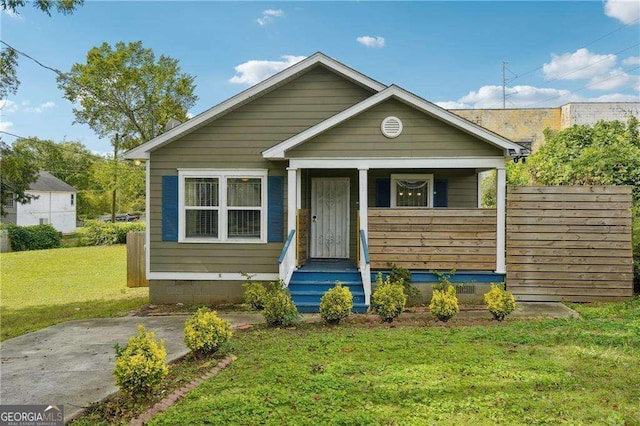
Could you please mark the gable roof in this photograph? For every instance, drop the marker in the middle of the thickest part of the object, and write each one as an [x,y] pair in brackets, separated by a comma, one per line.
[278,151]
[142,151]
[48,182]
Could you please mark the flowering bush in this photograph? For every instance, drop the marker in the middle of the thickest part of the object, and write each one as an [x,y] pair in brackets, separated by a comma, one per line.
[389,299]
[140,365]
[499,302]
[336,304]
[444,303]
[204,331]
[279,309]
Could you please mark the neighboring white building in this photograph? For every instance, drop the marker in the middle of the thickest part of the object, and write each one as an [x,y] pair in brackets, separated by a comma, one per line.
[54,203]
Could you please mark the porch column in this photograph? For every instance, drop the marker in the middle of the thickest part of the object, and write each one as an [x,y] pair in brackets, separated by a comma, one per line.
[292,205]
[501,195]
[363,201]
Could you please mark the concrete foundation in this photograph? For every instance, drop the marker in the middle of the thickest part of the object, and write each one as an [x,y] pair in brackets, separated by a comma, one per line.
[205,292]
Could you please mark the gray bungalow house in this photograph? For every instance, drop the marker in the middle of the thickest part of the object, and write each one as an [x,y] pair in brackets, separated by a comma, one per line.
[319,174]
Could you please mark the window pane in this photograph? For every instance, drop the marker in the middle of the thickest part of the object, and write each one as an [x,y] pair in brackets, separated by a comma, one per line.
[202,223]
[244,192]
[244,224]
[201,192]
[411,193]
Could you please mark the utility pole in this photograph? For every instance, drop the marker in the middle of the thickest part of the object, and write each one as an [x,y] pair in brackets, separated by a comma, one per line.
[504,85]
[115,179]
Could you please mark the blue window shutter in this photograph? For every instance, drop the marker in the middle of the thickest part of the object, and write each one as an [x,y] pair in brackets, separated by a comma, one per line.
[169,208]
[440,193]
[383,192]
[275,209]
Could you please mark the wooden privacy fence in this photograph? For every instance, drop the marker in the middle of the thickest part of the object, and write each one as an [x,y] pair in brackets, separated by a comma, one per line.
[569,243]
[426,239]
[136,268]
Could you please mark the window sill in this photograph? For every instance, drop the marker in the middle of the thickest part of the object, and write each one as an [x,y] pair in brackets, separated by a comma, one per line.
[212,241]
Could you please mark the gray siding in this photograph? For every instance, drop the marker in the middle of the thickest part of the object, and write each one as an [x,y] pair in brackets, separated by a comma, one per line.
[237,141]
[423,136]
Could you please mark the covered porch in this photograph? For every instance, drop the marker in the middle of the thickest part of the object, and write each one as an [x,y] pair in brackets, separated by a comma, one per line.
[337,209]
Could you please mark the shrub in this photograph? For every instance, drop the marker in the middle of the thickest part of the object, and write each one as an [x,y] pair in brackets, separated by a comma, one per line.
[389,299]
[36,237]
[255,294]
[499,302]
[98,233]
[204,331]
[402,275]
[279,309]
[336,304]
[444,303]
[140,365]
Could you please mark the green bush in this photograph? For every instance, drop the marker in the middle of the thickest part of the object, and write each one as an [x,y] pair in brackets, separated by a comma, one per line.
[98,233]
[444,303]
[336,304]
[140,365]
[279,309]
[389,299]
[255,294]
[402,275]
[499,302]
[204,331]
[36,237]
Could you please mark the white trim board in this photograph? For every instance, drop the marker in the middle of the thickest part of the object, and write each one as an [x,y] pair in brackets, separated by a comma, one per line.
[399,163]
[142,152]
[211,276]
[279,151]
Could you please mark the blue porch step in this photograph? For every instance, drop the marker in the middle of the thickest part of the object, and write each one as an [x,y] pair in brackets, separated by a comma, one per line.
[307,286]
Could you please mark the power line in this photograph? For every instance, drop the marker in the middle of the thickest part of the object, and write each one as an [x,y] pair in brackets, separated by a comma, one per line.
[57,71]
[582,47]
[12,134]
[581,88]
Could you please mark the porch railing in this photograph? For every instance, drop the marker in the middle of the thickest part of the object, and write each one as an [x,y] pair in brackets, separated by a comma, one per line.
[365,267]
[287,260]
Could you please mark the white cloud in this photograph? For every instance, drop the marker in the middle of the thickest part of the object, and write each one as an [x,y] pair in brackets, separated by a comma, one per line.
[254,71]
[578,65]
[626,11]
[7,106]
[614,79]
[269,15]
[631,60]
[517,97]
[5,125]
[371,41]
[40,108]
[616,97]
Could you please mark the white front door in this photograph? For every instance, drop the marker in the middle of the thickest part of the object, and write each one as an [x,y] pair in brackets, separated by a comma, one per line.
[330,218]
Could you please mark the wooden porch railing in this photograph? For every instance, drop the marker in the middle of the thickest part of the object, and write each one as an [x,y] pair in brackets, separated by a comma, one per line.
[440,239]
[287,260]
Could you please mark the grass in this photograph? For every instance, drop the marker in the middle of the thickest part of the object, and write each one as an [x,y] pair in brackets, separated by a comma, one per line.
[45,287]
[573,371]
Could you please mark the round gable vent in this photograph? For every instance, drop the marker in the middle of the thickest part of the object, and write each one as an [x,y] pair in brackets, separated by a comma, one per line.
[391,127]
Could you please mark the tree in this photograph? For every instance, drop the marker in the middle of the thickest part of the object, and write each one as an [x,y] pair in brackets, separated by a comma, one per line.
[126,91]
[9,82]
[18,170]
[517,174]
[606,154]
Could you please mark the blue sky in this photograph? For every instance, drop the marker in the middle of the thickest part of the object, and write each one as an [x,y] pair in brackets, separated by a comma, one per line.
[450,53]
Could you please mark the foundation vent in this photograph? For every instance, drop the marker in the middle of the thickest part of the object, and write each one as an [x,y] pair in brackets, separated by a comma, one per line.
[466,289]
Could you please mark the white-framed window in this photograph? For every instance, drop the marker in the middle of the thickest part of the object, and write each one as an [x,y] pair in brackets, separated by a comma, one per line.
[10,200]
[222,205]
[412,190]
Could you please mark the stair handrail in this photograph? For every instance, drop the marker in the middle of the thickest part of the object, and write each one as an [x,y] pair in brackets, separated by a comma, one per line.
[287,260]
[365,267]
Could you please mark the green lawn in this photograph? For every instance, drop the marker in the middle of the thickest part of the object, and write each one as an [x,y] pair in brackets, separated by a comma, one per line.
[576,371]
[45,287]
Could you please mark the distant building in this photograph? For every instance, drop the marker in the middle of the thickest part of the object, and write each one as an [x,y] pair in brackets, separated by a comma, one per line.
[54,203]
[526,125]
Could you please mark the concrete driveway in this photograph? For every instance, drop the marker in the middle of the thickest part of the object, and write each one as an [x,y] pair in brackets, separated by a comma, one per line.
[72,363]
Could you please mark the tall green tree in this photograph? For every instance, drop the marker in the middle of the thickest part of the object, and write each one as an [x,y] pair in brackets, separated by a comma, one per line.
[126,90]
[18,169]
[9,82]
